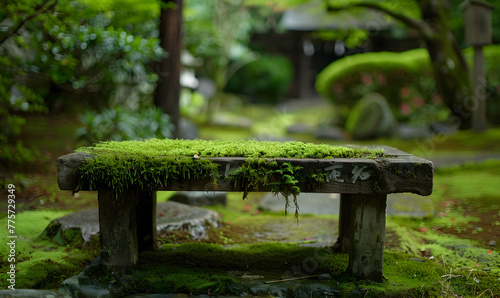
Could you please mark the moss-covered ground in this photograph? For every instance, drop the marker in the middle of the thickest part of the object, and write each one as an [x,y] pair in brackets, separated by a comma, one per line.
[449,254]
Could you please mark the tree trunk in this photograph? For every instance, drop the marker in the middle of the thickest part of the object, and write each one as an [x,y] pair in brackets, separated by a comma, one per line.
[451,71]
[168,88]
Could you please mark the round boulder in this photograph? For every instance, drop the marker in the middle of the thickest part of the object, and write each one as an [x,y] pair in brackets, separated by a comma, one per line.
[371,118]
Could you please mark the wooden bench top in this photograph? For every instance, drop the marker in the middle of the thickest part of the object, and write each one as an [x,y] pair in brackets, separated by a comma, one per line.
[396,173]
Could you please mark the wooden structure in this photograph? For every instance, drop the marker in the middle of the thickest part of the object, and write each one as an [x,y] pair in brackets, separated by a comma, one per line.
[127,220]
[478,31]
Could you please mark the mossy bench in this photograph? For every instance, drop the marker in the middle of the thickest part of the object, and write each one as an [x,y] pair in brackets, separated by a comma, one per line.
[128,174]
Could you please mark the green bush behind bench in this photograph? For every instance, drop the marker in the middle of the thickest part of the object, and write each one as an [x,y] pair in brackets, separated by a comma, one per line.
[405,79]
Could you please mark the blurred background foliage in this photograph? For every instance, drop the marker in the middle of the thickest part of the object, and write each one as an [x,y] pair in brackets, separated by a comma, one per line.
[270,77]
[405,80]
[89,57]
[72,55]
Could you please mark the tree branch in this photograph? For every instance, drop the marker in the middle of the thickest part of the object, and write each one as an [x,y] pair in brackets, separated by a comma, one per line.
[422,27]
[42,8]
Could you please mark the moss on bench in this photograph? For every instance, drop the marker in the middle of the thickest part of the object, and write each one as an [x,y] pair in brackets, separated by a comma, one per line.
[202,148]
[155,163]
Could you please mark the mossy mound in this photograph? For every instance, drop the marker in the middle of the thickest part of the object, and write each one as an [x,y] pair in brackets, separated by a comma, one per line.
[263,269]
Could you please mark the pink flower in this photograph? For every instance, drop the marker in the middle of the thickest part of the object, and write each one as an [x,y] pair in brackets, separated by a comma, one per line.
[436,98]
[405,108]
[338,88]
[366,79]
[381,79]
[418,101]
[405,91]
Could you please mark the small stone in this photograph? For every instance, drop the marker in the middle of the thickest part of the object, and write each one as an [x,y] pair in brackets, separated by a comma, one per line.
[486,269]
[325,276]
[416,259]
[200,198]
[300,128]
[492,243]
[330,133]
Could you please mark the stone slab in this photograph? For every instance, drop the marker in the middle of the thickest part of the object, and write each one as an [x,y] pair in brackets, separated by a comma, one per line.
[200,198]
[404,205]
[170,216]
[309,203]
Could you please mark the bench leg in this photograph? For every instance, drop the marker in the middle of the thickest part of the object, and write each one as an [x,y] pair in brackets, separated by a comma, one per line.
[146,220]
[344,237]
[118,229]
[366,253]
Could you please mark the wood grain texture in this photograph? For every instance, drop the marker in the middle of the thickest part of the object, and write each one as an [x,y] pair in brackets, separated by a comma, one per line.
[400,172]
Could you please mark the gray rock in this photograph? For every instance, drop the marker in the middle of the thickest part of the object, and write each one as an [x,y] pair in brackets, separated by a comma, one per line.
[200,198]
[300,128]
[443,128]
[77,287]
[270,138]
[325,276]
[173,216]
[233,121]
[371,118]
[206,87]
[492,243]
[81,229]
[403,204]
[406,131]
[25,293]
[330,133]
[84,286]
[188,129]
[309,203]
[66,169]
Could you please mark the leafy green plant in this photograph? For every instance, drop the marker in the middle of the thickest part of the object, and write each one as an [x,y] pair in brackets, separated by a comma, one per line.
[119,124]
[51,48]
[264,80]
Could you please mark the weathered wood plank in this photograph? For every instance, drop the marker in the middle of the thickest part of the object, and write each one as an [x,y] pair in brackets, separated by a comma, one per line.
[345,213]
[401,172]
[118,229]
[146,220]
[366,253]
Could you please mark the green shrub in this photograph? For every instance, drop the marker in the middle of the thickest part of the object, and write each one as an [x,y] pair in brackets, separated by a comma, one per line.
[264,80]
[404,79]
[119,124]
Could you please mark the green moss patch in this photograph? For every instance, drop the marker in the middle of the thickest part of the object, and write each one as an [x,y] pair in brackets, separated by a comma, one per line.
[156,163]
[155,148]
[201,268]
[40,263]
